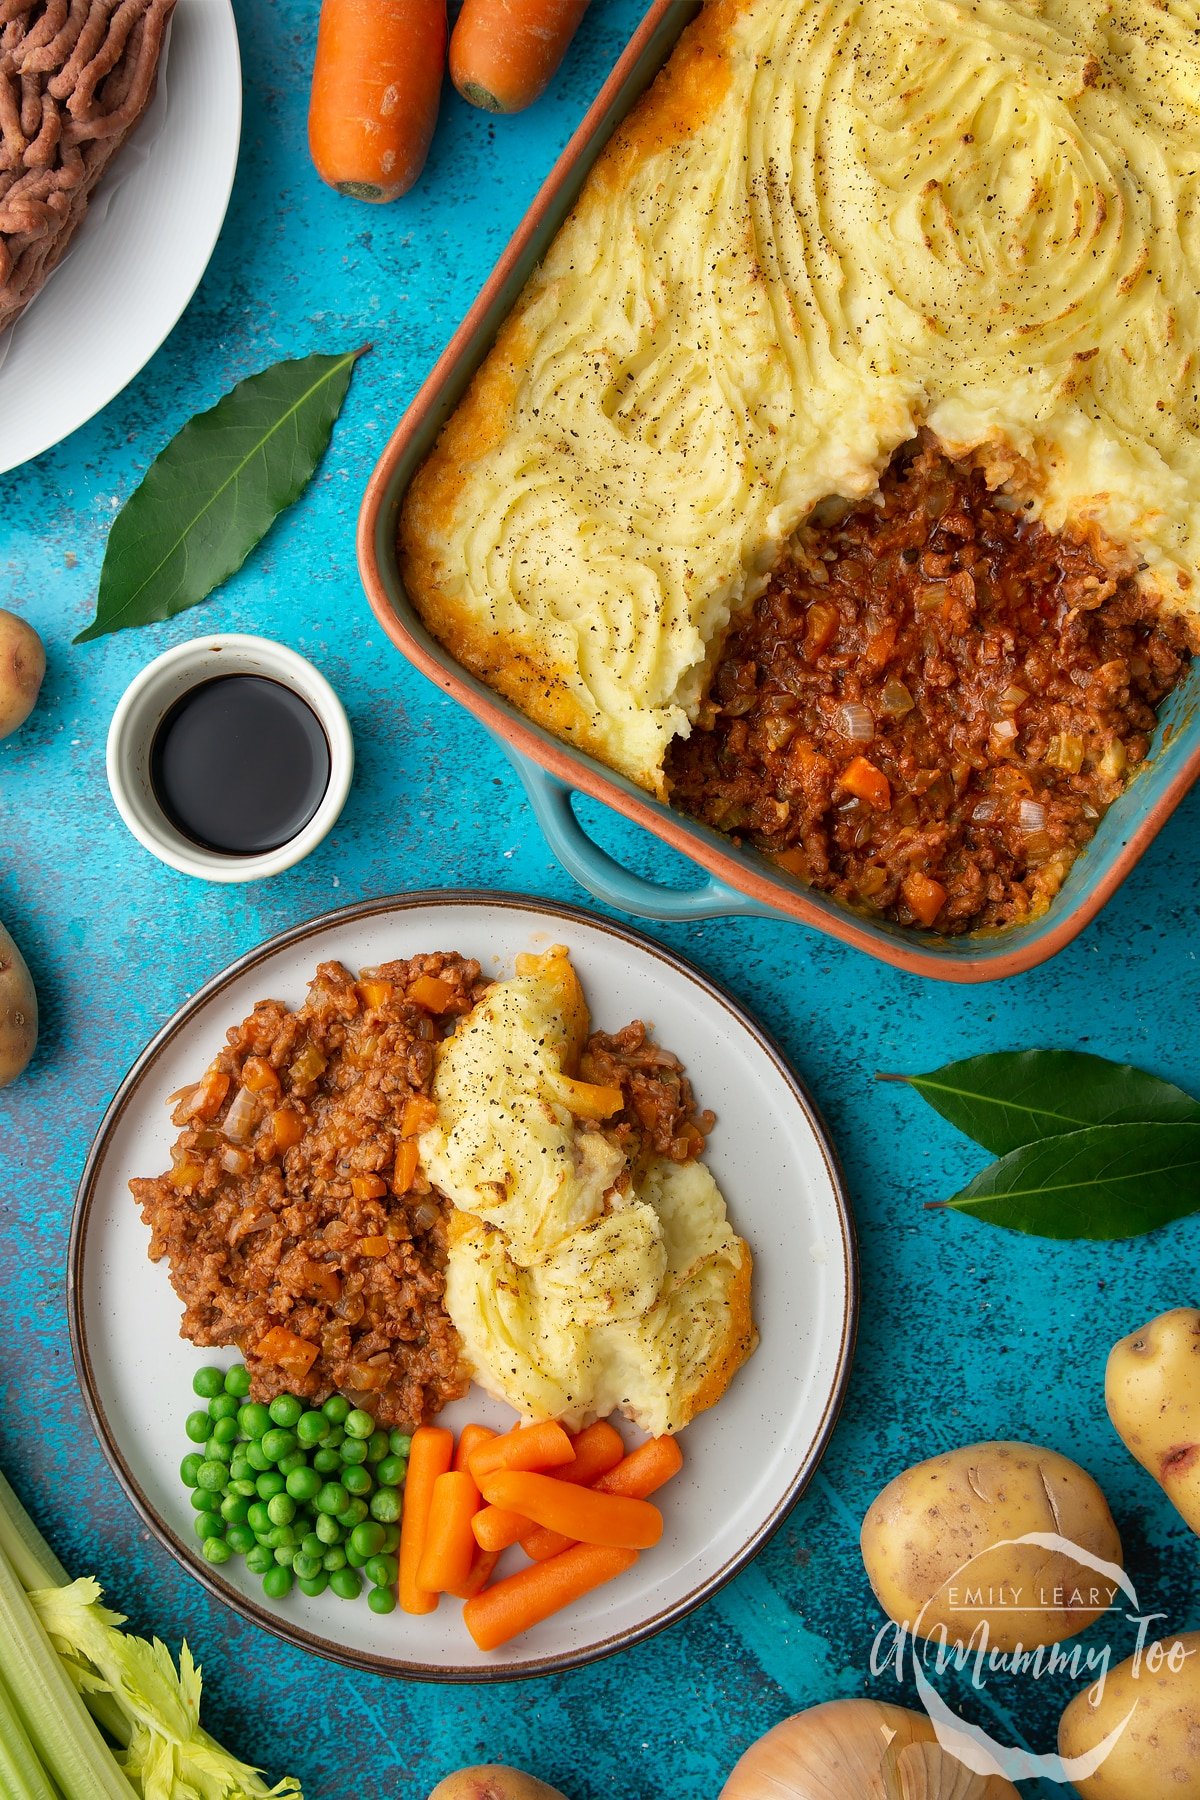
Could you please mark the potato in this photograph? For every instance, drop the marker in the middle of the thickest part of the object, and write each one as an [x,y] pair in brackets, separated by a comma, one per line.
[1158,1752]
[22,665]
[1152,1387]
[18,1011]
[493,1781]
[934,1544]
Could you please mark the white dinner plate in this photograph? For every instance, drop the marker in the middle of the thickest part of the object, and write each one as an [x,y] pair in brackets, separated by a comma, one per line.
[130,272]
[745,1461]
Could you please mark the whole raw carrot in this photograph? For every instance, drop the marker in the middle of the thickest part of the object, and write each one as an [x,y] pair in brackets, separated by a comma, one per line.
[543,1446]
[449,1547]
[511,1606]
[428,1458]
[593,1452]
[504,52]
[376,84]
[578,1512]
[639,1475]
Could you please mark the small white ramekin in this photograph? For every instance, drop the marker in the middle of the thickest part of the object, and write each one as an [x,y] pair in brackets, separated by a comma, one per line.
[142,709]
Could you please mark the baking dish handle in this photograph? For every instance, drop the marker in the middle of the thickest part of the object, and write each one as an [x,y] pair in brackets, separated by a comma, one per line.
[601,874]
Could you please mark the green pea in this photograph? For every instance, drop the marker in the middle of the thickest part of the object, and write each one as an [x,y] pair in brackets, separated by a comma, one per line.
[282,1509]
[260,1559]
[225,1431]
[357,1482]
[305,1566]
[354,1559]
[391,1472]
[212,1475]
[216,1550]
[385,1506]
[208,1525]
[345,1584]
[237,1381]
[352,1514]
[240,1539]
[367,1538]
[315,1585]
[353,1451]
[246,1489]
[400,1442]
[334,1558]
[240,1467]
[205,1501]
[270,1483]
[311,1428]
[277,1583]
[326,1461]
[188,1467]
[254,1455]
[391,1539]
[216,1451]
[358,1424]
[382,1571]
[277,1443]
[311,1544]
[207,1382]
[328,1529]
[197,1427]
[296,1460]
[223,1406]
[234,1508]
[377,1446]
[304,1483]
[381,1600]
[285,1409]
[259,1519]
[285,1555]
[254,1419]
[280,1535]
[332,1498]
[336,1408]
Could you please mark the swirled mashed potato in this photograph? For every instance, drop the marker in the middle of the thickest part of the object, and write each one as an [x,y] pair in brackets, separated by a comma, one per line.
[827,223]
[578,1282]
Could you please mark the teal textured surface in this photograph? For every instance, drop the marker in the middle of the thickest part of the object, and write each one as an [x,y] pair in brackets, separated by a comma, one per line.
[966,1333]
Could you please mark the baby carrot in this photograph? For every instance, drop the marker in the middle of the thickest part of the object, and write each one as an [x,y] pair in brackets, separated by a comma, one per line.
[495,1528]
[594,1452]
[470,1439]
[639,1475]
[543,1446]
[511,1606]
[578,1512]
[449,1547]
[429,1457]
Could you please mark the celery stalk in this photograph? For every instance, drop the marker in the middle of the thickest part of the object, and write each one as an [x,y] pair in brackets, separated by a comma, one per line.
[34,1562]
[57,1722]
[22,1776]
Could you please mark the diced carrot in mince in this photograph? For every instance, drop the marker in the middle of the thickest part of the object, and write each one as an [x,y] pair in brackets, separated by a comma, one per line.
[924,897]
[368,1187]
[862,779]
[432,993]
[406,1166]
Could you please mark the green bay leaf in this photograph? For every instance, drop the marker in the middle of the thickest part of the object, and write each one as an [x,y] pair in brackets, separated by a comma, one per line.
[216,490]
[1107,1181]
[1015,1097]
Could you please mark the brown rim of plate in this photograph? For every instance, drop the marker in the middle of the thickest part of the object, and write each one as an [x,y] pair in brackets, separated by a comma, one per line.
[917,955]
[204,1572]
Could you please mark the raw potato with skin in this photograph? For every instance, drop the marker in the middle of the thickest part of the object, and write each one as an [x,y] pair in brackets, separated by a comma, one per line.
[493,1781]
[1158,1752]
[944,1530]
[1152,1389]
[18,1011]
[22,666]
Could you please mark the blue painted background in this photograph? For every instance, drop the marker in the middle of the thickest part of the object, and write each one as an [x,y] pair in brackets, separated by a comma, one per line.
[967,1333]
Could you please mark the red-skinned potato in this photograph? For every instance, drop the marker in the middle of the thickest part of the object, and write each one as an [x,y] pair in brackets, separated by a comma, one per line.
[493,1781]
[18,1011]
[22,665]
[1152,1389]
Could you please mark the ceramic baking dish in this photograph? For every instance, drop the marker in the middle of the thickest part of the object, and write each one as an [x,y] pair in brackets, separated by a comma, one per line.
[738,880]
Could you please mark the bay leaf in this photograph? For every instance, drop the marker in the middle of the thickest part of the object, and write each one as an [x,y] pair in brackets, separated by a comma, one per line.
[1107,1181]
[1014,1097]
[216,490]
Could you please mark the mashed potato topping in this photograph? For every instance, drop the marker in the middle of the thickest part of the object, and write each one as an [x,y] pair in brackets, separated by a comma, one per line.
[828,223]
[580,1278]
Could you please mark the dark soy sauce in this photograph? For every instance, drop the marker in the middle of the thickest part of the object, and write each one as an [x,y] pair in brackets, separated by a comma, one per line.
[240,764]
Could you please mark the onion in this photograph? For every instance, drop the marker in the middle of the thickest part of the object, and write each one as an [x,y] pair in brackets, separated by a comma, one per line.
[1012,697]
[235,1161]
[857,1750]
[895,700]
[985,809]
[238,1123]
[1031,815]
[1005,731]
[855,723]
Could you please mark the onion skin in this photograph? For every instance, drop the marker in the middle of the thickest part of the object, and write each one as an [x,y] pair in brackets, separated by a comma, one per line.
[857,1750]
[493,1781]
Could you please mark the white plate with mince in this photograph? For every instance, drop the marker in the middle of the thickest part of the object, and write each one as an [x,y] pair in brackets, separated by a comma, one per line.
[746,1460]
[133,267]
